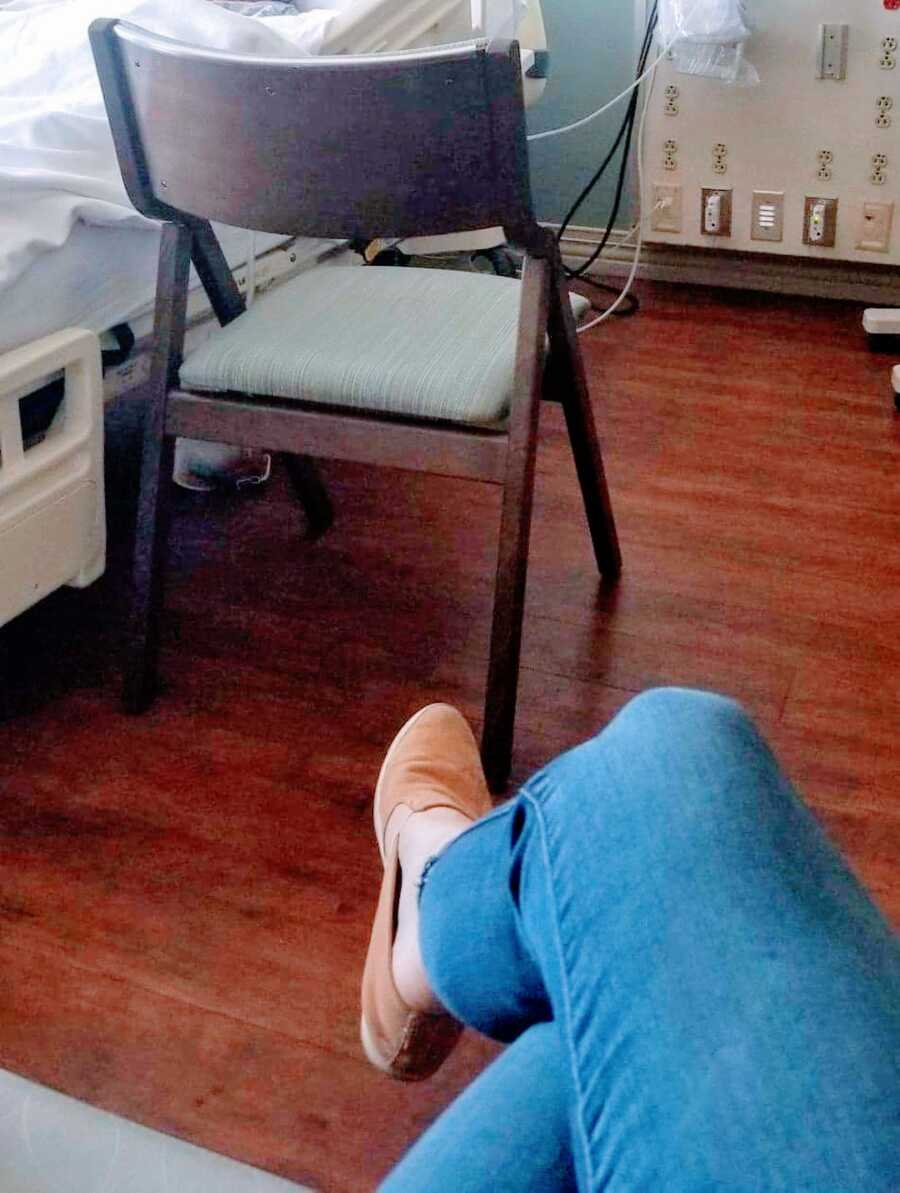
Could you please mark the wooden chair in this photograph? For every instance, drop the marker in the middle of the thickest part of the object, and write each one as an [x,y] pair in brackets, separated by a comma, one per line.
[430,370]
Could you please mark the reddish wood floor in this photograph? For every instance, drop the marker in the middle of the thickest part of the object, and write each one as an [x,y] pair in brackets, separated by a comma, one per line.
[184,897]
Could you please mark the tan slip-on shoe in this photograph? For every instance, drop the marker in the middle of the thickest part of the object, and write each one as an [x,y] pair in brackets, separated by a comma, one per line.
[433,762]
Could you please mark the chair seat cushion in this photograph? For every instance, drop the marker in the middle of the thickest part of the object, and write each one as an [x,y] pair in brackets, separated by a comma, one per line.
[420,343]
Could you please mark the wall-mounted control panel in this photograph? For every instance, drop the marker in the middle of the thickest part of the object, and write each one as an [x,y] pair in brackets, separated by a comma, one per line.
[805,163]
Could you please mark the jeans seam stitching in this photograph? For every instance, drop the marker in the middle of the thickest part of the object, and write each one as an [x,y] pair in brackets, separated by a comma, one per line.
[567,996]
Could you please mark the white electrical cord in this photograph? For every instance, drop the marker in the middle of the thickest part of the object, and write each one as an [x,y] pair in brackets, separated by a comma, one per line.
[568,128]
[640,224]
[629,235]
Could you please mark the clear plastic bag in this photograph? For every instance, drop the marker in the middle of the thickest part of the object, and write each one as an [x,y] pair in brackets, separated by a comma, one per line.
[707,37]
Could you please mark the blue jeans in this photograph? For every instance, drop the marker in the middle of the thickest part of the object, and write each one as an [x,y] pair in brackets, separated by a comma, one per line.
[698,994]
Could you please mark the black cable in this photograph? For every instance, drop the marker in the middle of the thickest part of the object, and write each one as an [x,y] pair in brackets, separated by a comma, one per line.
[626,133]
[601,170]
[626,128]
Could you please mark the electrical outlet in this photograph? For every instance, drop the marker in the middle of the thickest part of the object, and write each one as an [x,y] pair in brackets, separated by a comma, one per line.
[875,228]
[670,155]
[671,105]
[720,158]
[888,61]
[878,176]
[768,216]
[667,208]
[715,211]
[884,106]
[833,43]
[825,158]
[820,222]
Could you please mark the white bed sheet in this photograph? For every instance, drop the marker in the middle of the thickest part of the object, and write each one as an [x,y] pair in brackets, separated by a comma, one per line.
[102,276]
[57,162]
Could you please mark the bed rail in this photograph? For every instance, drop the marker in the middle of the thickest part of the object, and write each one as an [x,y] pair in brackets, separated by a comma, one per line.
[52,511]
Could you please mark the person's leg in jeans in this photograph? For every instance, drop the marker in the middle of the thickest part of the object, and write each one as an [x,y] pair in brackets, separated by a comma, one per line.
[720,1000]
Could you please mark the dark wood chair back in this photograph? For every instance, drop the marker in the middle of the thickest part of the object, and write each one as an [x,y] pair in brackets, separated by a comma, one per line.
[396,145]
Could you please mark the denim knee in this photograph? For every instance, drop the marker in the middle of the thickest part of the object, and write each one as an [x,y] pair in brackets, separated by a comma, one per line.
[677,751]
[708,711]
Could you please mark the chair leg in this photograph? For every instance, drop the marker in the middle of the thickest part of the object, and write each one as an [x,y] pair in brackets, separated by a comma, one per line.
[515,526]
[151,536]
[309,488]
[506,638]
[157,459]
[568,373]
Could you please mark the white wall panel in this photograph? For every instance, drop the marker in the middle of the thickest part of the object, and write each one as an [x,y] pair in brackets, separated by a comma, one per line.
[775,132]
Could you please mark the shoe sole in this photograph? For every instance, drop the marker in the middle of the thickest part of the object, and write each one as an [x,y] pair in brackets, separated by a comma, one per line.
[373,1056]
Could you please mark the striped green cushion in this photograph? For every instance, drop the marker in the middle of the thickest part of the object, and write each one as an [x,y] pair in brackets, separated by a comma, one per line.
[424,343]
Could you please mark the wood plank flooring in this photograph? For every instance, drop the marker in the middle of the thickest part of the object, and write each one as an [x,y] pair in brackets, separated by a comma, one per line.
[184,897]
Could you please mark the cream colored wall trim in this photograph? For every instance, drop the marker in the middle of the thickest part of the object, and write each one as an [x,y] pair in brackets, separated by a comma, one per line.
[740,271]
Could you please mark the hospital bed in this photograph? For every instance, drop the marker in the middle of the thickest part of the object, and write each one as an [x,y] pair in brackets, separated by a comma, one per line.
[103,277]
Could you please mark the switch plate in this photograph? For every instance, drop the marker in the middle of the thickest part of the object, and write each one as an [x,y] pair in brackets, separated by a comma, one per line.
[768,216]
[715,211]
[833,43]
[875,227]
[820,222]
[667,208]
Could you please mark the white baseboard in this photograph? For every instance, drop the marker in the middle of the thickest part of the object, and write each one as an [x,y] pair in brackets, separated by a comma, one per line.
[879,285]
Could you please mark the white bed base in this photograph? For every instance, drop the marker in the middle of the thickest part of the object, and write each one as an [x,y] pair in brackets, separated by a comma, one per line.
[52,512]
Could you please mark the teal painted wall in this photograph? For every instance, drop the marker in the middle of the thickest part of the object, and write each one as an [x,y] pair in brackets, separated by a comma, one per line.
[591,59]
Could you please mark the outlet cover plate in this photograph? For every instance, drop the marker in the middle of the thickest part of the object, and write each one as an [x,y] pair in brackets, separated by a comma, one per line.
[726,195]
[833,43]
[668,218]
[768,216]
[828,239]
[875,227]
